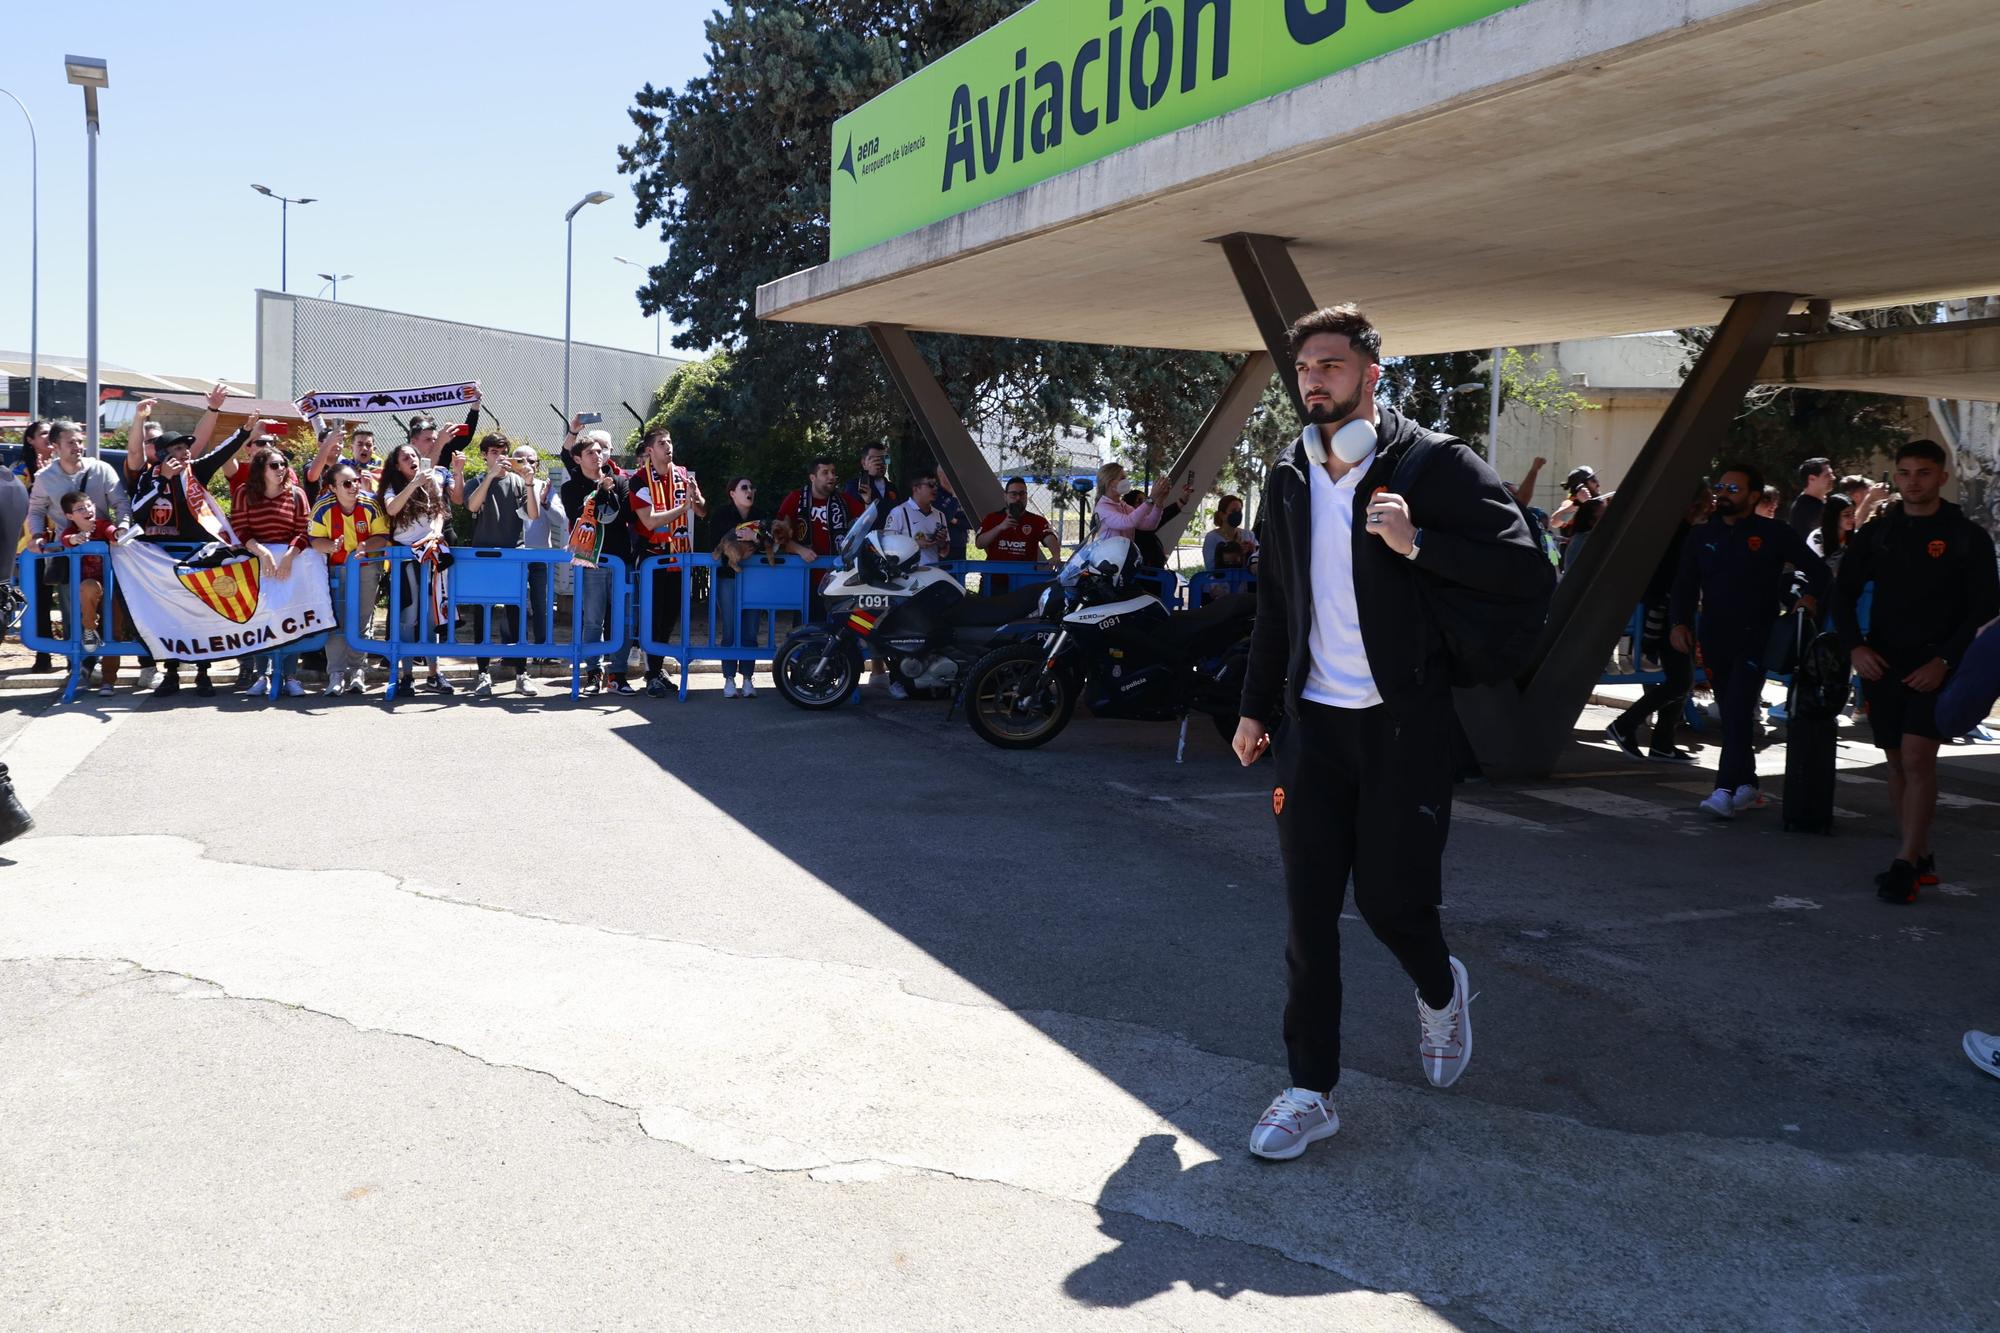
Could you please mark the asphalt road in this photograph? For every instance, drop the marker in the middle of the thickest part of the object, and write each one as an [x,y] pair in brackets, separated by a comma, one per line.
[716,1014]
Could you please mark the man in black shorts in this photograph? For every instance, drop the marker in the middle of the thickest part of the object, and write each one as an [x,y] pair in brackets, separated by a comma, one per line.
[1935,585]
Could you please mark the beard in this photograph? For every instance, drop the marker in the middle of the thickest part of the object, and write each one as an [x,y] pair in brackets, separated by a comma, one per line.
[1326,413]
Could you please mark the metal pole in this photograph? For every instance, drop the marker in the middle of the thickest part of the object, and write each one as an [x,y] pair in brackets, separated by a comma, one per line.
[90,342]
[569,268]
[284,244]
[34,265]
[656,333]
[1493,419]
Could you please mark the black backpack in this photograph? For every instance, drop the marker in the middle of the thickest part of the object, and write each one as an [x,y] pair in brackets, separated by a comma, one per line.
[1488,637]
[1821,677]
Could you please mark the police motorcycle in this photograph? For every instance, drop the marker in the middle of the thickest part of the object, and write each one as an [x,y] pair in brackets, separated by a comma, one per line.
[1096,638]
[882,602]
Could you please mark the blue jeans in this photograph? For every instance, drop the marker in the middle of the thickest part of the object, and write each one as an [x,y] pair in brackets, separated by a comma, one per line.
[728,598]
[593,594]
[262,664]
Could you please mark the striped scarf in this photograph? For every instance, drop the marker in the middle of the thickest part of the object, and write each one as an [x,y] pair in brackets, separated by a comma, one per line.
[430,553]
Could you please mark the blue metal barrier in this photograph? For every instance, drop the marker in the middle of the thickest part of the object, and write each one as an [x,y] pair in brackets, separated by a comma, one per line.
[70,645]
[1164,584]
[1204,586]
[479,580]
[764,590]
[996,576]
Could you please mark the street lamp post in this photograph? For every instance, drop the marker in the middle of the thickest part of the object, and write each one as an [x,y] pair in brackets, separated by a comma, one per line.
[284,238]
[34,266]
[90,74]
[656,314]
[335,279]
[569,285]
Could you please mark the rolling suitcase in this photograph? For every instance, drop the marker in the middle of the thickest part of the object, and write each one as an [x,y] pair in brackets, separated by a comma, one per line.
[1813,704]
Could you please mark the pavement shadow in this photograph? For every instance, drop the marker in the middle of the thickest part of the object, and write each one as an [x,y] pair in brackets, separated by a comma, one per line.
[1152,1258]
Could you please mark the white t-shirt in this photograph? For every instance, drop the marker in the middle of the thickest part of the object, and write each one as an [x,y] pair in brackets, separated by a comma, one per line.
[908,519]
[1339,675]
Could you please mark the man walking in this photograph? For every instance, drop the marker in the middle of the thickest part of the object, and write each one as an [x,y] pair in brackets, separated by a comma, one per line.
[1815,484]
[1935,585]
[1733,572]
[1346,650]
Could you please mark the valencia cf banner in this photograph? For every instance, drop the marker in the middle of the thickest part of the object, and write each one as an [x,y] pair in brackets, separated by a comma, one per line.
[220,605]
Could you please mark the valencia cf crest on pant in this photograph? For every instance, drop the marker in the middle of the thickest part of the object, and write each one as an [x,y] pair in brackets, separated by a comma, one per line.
[229,589]
[1277,800]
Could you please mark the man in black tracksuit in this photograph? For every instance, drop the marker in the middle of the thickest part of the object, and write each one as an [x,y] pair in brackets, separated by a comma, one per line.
[1346,651]
[1935,585]
[1735,571]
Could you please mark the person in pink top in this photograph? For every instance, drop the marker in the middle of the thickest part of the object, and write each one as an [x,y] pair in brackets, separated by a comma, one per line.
[1115,518]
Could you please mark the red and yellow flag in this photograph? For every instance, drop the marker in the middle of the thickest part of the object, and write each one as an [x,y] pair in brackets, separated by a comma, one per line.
[230,590]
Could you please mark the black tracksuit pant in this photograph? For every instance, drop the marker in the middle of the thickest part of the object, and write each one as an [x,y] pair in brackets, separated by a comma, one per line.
[666,614]
[1734,656]
[1365,793]
[1662,701]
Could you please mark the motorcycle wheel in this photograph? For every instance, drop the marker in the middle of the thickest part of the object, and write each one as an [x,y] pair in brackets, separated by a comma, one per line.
[815,672]
[996,704]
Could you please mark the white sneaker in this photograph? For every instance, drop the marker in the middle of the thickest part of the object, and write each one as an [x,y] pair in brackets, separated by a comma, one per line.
[357,683]
[292,687]
[897,691]
[260,687]
[523,686]
[1983,1049]
[335,687]
[482,688]
[148,678]
[729,689]
[1720,805]
[1297,1119]
[749,689]
[1444,1036]
[1747,797]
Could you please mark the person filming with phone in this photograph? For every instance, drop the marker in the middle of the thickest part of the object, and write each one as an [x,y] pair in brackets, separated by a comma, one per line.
[1016,534]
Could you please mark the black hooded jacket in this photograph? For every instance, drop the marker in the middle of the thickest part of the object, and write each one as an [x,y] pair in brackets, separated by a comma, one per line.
[1473,534]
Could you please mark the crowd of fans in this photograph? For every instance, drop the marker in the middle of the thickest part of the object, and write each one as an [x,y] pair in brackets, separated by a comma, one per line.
[356,497]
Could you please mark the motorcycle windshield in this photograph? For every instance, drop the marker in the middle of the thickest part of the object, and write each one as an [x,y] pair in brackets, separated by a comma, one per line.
[1078,562]
[863,525]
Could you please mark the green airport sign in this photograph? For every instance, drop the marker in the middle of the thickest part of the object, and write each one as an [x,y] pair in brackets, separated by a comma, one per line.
[1065,82]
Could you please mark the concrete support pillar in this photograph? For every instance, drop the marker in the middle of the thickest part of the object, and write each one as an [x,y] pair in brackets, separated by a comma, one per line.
[1519,730]
[1275,293]
[1201,462]
[971,477]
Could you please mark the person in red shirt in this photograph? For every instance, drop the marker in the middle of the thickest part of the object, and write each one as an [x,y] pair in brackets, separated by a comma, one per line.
[83,525]
[825,517]
[270,518]
[1015,535]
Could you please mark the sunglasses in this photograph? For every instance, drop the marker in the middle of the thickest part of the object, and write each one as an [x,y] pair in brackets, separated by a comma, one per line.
[1728,487]
[274,466]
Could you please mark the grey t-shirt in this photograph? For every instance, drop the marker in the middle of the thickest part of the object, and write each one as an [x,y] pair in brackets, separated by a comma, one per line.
[503,519]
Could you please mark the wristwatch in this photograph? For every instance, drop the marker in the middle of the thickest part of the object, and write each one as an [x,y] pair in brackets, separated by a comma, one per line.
[1416,544]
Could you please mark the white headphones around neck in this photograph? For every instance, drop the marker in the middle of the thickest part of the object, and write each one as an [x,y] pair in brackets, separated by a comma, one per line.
[1351,443]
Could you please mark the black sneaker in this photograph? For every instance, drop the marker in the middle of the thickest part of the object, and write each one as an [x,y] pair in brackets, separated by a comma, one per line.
[439,685]
[1670,756]
[1623,742]
[44,664]
[170,683]
[202,684]
[1927,875]
[593,681]
[656,685]
[1897,884]
[620,685]
[14,817]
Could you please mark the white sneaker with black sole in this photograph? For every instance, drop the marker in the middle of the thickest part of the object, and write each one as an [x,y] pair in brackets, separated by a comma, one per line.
[1719,804]
[1444,1036]
[1983,1049]
[1291,1124]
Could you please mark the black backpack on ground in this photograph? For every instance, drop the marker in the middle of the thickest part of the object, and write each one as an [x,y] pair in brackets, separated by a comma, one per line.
[1812,736]
[1488,637]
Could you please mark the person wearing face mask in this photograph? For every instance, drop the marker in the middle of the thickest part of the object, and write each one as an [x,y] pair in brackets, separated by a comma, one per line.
[1734,572]
[1229,545]
[1347,649]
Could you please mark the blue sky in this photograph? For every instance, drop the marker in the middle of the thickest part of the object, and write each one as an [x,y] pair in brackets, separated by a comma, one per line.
[444,142]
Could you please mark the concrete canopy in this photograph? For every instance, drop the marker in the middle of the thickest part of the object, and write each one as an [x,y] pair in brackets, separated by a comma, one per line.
[1565,169]
[1958,360]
